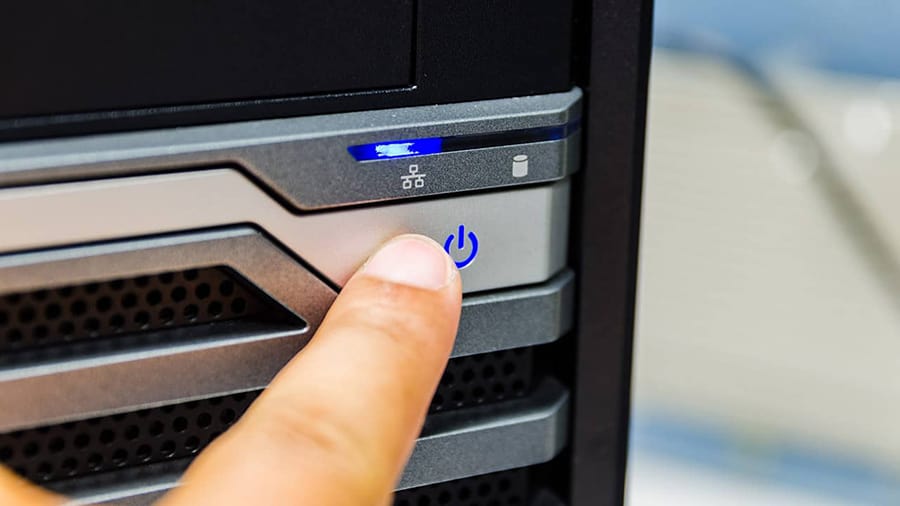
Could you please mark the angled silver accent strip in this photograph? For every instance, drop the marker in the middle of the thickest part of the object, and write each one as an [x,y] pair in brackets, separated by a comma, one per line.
[305,160]
[519,433]
[454,445]
[525,316]
[522,233]
[246,357]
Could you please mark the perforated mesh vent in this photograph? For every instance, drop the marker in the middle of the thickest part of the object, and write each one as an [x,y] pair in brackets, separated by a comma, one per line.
[77,314]
[483,379]
[120,441]
[508,488]
[176,432]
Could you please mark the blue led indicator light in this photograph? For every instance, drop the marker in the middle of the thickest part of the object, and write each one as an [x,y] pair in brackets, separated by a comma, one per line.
[461,237]
[396,149]
[389,150]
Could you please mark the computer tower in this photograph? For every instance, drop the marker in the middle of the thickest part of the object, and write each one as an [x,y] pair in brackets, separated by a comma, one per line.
[184,188]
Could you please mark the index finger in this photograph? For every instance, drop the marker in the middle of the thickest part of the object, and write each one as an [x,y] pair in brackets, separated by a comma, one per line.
[339,422]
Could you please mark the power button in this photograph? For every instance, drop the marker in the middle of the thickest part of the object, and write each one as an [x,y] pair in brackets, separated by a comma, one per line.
[463,245]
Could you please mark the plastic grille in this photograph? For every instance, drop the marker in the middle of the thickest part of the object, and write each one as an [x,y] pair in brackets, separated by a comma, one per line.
[77,314]
[176,432]
[507,488]
[484,379]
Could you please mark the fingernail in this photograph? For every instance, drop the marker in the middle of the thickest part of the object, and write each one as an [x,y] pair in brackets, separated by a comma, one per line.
[413,261]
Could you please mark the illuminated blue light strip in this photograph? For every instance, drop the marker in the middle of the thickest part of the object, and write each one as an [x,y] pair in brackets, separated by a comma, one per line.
[433,145]
[396,149]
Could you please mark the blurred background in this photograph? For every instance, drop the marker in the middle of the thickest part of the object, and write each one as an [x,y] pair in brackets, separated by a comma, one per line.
[767,347]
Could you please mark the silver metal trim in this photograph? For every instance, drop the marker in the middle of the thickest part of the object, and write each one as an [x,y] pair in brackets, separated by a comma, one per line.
[245,358]
[305,160]
[523,232]
[454,445]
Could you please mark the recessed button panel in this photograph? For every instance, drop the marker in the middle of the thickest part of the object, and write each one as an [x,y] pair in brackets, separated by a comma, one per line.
[521,234]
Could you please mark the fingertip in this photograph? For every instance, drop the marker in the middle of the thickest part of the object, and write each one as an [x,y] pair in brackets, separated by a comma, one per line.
[412,260]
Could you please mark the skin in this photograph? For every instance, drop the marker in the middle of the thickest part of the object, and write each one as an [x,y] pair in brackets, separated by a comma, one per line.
[338,423]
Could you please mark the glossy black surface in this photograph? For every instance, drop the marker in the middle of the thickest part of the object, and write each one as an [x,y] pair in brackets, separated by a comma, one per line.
[97,55]
[460,51]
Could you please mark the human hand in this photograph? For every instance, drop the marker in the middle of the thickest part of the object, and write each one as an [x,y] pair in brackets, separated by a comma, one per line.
[338,423]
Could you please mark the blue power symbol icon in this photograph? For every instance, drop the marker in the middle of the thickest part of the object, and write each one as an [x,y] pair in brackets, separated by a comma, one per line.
[460,245]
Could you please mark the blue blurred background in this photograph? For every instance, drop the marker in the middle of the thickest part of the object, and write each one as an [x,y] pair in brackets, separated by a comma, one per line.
[767,347]
[856,36]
